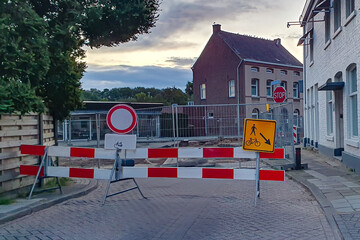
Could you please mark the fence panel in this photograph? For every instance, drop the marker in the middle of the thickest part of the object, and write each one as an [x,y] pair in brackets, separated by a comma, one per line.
[177,124]
[14,131]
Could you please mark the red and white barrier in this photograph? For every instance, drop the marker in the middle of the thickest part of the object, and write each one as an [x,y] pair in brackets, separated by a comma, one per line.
[144,172]
[148,153]
[119,172]
[295,134]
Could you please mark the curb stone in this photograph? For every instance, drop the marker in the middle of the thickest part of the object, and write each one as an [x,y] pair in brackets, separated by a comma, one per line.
[92,185]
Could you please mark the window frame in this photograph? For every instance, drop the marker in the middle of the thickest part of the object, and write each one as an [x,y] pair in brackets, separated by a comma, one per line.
[255,69]
[349,7]
[296,88]
[337,15]
[327,19]
[269,70]
[283,72]
[231,85]
[255,112]
[202,91]
[311,46]
[353,120]
[296,115]
[269,87]
[329,112]
[256,85]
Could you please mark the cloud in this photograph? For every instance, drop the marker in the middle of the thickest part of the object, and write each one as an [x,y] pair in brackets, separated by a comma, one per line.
[182,62]
[287,36]
[183,17]
[129,76]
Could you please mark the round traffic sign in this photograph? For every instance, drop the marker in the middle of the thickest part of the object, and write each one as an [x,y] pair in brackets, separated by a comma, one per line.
[121,119]
[279,94]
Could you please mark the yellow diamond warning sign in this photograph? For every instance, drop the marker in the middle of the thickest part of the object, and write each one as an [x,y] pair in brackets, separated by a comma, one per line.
[259,135]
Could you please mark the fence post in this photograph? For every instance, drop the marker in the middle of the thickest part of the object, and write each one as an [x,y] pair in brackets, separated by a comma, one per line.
[238,122]
[298,159]
[173,122]
[97,119]
[205,118]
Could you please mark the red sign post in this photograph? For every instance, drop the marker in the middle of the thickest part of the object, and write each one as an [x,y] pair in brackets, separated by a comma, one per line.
[279,94]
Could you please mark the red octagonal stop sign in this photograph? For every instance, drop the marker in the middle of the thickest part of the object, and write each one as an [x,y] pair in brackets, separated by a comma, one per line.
[279,94]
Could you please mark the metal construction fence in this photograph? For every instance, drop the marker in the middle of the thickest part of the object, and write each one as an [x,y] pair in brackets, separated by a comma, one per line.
[187,124]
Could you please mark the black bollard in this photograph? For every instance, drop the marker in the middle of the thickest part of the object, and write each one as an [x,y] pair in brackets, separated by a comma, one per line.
[297,158]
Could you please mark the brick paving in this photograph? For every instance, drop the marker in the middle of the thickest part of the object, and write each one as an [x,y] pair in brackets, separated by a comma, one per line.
[180,209]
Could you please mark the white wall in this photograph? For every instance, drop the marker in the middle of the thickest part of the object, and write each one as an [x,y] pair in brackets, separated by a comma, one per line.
[343,50]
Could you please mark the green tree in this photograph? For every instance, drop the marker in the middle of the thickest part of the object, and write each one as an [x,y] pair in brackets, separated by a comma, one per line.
[189,90]
[49,36]
[93,94]
[174,95]
[24,57]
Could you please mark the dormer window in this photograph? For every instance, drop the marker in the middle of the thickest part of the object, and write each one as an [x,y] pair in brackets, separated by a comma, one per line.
[269,70]
[254,69]
[283,72]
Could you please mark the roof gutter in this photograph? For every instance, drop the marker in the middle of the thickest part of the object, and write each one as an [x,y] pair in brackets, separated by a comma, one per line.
[305,12]
[270,63]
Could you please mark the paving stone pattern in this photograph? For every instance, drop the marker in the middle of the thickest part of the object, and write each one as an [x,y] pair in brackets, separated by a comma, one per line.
[340,187]
[180,209]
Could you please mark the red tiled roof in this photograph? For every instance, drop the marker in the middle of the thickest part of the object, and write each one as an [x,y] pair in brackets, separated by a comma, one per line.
[258,49]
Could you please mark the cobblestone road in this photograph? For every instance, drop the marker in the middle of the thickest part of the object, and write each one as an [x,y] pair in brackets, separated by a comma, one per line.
[181,209]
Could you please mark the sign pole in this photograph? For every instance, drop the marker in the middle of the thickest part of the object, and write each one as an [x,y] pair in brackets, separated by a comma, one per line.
[257,182]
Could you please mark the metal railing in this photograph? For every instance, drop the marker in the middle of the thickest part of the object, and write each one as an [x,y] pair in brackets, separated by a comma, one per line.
[177,124]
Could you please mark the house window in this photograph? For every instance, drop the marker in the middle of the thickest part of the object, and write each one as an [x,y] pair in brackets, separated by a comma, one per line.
[311,45]
[269,88]
[327,26]
[255,113]
[350,7]
[203,91]
[352,100]
[254,87]
[269,70]
[284,85]
[296,117]
[232,88]
[296,90]
[329,111]
[283,72]
[254,69]
[296,73]
[337,14]
[210,115]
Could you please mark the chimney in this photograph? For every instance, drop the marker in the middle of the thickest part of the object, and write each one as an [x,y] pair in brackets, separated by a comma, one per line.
[277,41]
[216,28]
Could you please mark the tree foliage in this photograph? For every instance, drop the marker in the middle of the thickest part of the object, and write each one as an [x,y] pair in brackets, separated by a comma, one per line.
[189,90]
[167,96]
[41,46]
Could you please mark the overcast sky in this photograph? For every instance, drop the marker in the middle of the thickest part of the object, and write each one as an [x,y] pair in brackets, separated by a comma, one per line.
[164,57]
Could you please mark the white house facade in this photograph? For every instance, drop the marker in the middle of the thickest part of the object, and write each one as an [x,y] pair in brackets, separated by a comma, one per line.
[331,43]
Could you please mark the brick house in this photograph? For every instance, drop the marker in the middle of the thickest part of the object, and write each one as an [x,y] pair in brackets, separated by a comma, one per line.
[235,68]
[331,58]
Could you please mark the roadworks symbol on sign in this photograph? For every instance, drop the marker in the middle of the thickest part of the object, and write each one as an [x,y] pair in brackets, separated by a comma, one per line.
[259,135]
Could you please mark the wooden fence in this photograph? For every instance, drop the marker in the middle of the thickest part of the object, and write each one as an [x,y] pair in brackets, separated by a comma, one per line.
[14,131]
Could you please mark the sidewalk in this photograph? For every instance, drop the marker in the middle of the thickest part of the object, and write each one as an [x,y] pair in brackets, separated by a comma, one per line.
[44,200]
[336,188]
